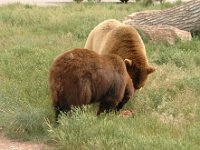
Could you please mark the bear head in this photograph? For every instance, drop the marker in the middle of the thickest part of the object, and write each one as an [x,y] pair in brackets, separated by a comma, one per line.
[138,74]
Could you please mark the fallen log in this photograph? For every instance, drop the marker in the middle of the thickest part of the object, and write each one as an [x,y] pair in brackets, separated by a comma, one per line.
[170,24]
[184,17]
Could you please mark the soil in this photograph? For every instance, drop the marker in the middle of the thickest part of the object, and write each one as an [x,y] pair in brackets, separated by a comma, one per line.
[8,144]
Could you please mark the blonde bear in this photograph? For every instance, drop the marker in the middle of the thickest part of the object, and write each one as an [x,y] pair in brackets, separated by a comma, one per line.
[114,37]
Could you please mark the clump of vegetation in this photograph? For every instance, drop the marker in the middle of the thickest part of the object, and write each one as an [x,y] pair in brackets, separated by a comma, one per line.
[145,2]
[78,1]
[124,1]
[167,108]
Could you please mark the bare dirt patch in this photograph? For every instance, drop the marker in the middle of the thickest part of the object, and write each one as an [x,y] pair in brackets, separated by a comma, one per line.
[8,144]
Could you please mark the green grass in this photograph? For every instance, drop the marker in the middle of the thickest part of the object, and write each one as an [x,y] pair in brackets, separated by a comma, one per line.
[83,130]
[167,108]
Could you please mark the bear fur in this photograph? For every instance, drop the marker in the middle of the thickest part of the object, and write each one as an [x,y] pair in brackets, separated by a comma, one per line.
[114,37]
[81,76]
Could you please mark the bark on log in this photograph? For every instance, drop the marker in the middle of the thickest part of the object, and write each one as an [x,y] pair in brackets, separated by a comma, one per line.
[184,17]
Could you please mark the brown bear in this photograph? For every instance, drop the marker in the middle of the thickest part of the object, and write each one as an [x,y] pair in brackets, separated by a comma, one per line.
[81,76]
[114,37]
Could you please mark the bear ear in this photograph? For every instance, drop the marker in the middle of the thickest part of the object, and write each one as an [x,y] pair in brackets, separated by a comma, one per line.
[150,70]
[128,62]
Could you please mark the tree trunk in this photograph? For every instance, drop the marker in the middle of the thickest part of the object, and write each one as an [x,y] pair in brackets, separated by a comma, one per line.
[184,17]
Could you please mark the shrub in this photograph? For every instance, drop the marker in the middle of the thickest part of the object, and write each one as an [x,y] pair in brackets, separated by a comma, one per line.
[124,1]
[78,1]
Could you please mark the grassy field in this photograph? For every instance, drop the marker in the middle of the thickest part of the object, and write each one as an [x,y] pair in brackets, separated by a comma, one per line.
[167,109]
